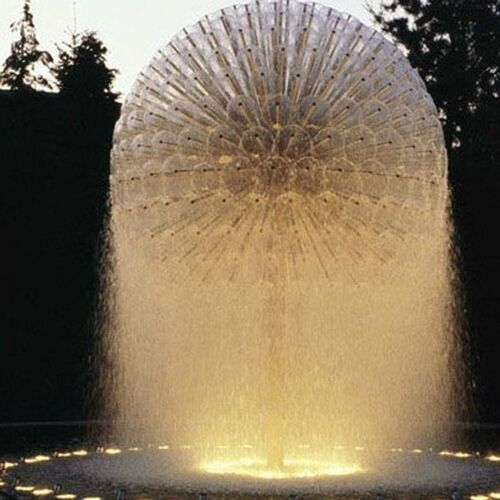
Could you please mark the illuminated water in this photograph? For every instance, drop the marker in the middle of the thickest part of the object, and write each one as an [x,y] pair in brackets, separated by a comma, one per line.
[138,473]
[280,275]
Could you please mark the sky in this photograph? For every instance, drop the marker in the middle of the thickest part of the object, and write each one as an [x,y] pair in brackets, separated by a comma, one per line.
[131,29]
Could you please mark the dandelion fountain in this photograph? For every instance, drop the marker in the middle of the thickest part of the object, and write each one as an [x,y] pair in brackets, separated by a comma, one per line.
[280,311]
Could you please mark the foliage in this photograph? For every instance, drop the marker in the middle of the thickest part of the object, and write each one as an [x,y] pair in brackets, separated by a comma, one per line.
[82,72]
[18,70]
[454,44]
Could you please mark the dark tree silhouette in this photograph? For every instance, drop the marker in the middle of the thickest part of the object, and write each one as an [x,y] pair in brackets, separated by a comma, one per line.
[18,70]
[454,44]
[82,72]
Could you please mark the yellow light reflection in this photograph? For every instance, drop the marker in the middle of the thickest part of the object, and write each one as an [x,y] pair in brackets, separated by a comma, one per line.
[112,451]
[25,488]
[9,465]
[291,468]
[42,492]
[493,458]
[479,497]
[494,494]
[456,454]
[66,496]
[80,453]
[38,458]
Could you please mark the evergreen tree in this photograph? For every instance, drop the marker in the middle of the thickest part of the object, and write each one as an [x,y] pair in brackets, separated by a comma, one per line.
[82,72]
[18,70]
[454,44]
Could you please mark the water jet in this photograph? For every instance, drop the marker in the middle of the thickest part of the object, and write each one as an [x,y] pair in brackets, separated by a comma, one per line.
[279,194]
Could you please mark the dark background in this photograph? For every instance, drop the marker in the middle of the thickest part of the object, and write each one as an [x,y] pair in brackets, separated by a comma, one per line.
[55,167]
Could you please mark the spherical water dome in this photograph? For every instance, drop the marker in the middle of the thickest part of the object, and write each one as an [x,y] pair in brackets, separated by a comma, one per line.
[278,126]
[280,286]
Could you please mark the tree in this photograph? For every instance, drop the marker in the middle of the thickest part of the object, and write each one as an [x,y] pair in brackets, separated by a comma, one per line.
[18,70]
[454,45]
[82,72]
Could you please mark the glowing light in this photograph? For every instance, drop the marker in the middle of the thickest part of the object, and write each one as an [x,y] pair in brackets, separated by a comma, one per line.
[38,458]
[25,488]
[9,465]
[417,450]
[134,449]
[493,458]
[456,454]
[63,454]
[494,494]
[479,497]
[112,451]
[42,492]
[164,447]
[80,453]
[2,483]
[66,496]
[291,469]
[91,498]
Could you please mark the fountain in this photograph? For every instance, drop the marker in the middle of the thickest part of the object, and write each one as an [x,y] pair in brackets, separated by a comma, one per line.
[281,269]
[280,311]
